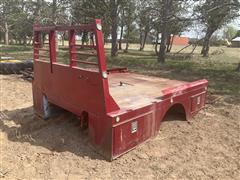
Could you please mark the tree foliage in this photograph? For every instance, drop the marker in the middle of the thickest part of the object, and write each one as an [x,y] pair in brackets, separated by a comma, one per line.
[229,33]
[18,17]
[214,14]
[133,20]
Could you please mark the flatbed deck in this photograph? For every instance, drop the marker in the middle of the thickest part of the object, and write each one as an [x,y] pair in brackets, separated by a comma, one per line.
[131,90]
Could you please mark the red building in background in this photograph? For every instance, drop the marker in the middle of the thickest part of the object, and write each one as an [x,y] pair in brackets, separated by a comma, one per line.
[179,41]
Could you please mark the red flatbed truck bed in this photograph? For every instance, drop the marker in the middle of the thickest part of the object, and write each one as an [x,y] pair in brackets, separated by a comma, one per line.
[121,109]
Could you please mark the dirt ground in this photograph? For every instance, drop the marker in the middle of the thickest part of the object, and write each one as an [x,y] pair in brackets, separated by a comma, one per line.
[208,147]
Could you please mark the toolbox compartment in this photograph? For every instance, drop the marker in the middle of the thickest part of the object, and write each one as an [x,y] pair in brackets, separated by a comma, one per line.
[198,101]
[131,132]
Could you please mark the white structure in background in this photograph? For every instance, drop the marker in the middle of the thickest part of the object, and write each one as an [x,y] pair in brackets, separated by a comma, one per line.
[236,42]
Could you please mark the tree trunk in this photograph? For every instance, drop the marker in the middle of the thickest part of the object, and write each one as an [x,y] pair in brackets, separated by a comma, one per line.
[168,43]
[121,31]
[126,48]
[63,38]
[162,52]
[114,25]
[54,10]
[25,40]
[171,43]
[0,37]
[54,20]
[144,40]
[156,43]
[114,49]
[6,34]
[37,12]
[127,41]
[63,41]
[120,39]
[140,36]
[206,43]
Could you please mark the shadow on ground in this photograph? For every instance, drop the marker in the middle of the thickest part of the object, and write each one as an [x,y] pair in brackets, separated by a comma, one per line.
[59,134]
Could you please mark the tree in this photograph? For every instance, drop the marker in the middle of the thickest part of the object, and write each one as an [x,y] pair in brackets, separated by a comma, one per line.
[8,10]
[176,27]
[16,20]
[129,17]
[165,13]
[37,11]
[18,17]
[214,14]
[168,17]
[114,7]
[108,10]
[229,33]
[122,16]
[144,20]
[237,34]
[170,22]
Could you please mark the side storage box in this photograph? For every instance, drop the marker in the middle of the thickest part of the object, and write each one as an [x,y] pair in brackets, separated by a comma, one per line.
[198,101]
[129,133]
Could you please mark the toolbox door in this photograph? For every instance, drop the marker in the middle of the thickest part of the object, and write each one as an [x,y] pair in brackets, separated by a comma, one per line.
[128,134]
[198,101]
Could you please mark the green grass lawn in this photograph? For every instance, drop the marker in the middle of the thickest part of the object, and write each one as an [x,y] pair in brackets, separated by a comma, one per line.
[218,68]
[17,52]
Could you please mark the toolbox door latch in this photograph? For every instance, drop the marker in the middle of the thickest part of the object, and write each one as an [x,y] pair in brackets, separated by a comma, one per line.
[134,127]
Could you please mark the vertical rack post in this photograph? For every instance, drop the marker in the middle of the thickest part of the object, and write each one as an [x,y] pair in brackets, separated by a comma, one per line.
[100,48]
[52,48]
[72,48]
[36,45]
[110,105]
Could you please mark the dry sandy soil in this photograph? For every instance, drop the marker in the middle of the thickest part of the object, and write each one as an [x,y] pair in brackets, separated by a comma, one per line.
[205,148]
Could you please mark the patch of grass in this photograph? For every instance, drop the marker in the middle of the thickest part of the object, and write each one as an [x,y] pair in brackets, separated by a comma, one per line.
[17,51]
[14,48]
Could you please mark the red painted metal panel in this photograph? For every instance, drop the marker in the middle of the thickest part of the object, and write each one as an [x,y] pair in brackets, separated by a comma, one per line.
[68,87]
